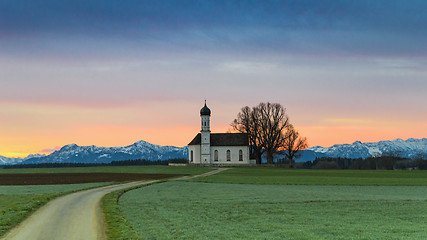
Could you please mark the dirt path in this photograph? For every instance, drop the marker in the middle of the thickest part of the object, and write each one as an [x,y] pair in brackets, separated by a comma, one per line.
[201,175]
[73,217]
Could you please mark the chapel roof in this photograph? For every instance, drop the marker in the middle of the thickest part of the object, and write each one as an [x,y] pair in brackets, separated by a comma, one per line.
[224,139]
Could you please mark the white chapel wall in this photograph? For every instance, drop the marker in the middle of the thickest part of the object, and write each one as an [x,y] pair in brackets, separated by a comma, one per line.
[234,154]
[196,154]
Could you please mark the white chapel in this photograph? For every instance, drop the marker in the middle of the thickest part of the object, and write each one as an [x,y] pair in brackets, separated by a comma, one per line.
[218,148]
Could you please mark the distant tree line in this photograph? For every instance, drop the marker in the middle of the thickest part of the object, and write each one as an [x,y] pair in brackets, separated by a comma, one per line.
[136,162]
[147,162]
[371,163]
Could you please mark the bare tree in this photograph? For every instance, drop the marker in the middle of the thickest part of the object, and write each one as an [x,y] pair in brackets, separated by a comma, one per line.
[265,125]
[293,143]
[273,123]
[247,122]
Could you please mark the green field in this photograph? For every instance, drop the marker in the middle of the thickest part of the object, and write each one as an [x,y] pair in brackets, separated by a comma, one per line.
[190,210]
[17,202]
[269,175]
[248,203]
[332,205]
[190,170]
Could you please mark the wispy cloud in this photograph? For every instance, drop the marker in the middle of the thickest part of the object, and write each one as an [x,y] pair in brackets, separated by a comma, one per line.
[50,150]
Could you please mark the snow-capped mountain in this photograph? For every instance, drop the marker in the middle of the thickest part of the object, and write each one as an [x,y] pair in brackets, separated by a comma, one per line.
[8,161]
[143,150]
[73,153]
[5,160]
[398,147]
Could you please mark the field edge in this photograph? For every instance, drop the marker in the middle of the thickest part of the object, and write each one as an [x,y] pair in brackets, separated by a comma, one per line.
[117,227]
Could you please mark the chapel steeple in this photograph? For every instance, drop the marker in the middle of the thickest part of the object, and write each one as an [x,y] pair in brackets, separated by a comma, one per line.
[205,114]
[205,151]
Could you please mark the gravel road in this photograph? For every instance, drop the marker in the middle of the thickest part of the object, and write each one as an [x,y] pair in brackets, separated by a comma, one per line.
[73,217]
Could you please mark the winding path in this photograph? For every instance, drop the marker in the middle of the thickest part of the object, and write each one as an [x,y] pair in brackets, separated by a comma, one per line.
[75,216]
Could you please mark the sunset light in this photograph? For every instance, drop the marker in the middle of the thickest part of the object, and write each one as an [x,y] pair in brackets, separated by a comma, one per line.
[346,74]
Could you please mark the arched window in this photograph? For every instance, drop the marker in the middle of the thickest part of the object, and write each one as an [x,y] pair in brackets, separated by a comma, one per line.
[228,155]
[216,156]
[191,156]
[240,155]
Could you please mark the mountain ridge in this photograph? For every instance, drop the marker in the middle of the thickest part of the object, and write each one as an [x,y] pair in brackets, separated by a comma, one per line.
[398,147]
[73,153]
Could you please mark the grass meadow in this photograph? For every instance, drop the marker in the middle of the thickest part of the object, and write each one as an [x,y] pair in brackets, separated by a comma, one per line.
[246,203]
[270,175]
[271,203]
[17,202]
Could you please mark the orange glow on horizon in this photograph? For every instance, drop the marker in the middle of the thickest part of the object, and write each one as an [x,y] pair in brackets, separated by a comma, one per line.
[38,129]
[114,136]
[327,136]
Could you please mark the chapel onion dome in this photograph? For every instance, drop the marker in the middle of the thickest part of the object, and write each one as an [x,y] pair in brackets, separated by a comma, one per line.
[205,111]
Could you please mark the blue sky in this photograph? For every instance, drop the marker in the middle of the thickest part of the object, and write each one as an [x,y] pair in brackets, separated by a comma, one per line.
[345,70]
[378,28]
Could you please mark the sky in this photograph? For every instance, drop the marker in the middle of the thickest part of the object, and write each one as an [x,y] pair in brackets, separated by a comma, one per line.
[110,73]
